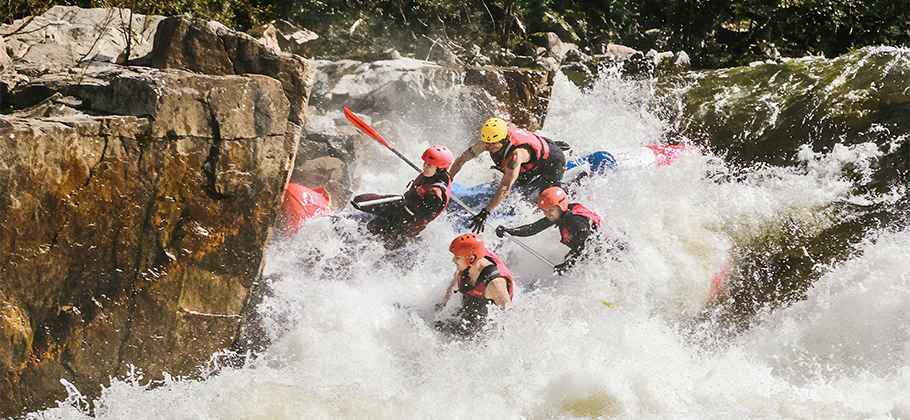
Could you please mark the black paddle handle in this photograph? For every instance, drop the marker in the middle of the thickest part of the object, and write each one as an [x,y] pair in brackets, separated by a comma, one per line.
[406,160]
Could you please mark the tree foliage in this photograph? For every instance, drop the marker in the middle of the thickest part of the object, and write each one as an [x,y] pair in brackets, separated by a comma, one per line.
[715,32]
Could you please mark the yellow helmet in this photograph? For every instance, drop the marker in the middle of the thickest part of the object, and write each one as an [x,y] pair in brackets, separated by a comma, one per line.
[494,130]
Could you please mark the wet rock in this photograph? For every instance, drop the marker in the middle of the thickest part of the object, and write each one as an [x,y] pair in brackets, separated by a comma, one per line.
[681,61]
[477,58]
[190,44]
[378,87]
[575,56]
[615,53]
[16,332]
[326,157]
[520,95]
[648,63]
[211,48]
[267,35]
[329,172]
[660,59]
[16,49]
[4,57]
[651,39]
[385,84]
[441,51]
[552,44]
[549,64]
[669,61]
[281,35]
[134,207]
[524,62]
[66,36]
[638,64]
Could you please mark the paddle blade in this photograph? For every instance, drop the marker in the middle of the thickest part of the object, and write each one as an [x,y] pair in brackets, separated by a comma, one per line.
[354,119]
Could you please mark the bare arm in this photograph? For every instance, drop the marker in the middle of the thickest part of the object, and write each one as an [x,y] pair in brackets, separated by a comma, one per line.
[451,289]
[498,292]
[471,153]
[509,176]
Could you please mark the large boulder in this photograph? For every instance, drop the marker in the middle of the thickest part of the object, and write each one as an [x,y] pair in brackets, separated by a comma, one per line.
[610,52]
[211,48]
[68,36]
[135,202]
[326,156]
[132,240]
[552,45]
[521,96]
[4,57]
[403,84]
[281,35]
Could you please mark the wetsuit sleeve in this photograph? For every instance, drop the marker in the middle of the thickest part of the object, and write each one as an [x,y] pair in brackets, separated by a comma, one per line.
[532,228]
[580,228]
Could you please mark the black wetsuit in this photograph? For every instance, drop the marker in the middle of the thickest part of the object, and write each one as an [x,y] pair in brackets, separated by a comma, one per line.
[574,230]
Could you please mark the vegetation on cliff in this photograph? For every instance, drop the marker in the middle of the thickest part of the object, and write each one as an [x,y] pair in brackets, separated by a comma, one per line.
[717,33]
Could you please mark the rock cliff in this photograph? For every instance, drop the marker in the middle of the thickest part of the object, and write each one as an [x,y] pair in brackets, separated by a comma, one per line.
[135,206]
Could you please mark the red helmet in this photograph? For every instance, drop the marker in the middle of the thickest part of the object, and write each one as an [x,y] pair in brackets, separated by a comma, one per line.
[439,156]
[467,245]
[553,196]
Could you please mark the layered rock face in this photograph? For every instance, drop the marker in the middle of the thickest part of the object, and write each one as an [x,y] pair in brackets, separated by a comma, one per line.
[399,84]
[67,36]
[135,204]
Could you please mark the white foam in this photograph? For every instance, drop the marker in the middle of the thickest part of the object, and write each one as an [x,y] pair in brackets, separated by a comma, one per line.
[352,334]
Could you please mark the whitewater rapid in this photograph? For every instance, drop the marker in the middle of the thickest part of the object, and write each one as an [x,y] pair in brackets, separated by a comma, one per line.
[351,331]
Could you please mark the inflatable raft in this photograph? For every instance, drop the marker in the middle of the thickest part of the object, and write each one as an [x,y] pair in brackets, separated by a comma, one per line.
[301,204]
[597,163]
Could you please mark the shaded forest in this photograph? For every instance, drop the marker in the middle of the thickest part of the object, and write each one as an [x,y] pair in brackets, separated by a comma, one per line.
[715,33]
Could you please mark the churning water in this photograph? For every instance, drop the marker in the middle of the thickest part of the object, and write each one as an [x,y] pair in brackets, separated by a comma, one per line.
[350,325]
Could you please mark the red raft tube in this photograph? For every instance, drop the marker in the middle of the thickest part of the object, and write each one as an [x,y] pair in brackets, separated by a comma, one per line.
[302,204]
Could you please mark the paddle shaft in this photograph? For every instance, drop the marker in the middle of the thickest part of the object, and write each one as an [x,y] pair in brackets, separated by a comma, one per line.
[511,238]
[406,159]
[380,201]
[529,249]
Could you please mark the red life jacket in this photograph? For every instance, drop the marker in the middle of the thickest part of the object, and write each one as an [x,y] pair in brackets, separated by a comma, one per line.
[421,188]
[480,288]
[520,137]
[580,210]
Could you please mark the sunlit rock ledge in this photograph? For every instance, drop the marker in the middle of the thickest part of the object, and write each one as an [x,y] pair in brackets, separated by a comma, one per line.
[135,206]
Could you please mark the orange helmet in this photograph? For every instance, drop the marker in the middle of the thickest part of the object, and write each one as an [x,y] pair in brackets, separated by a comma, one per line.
[553,196]
[439,156]
[467,245]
